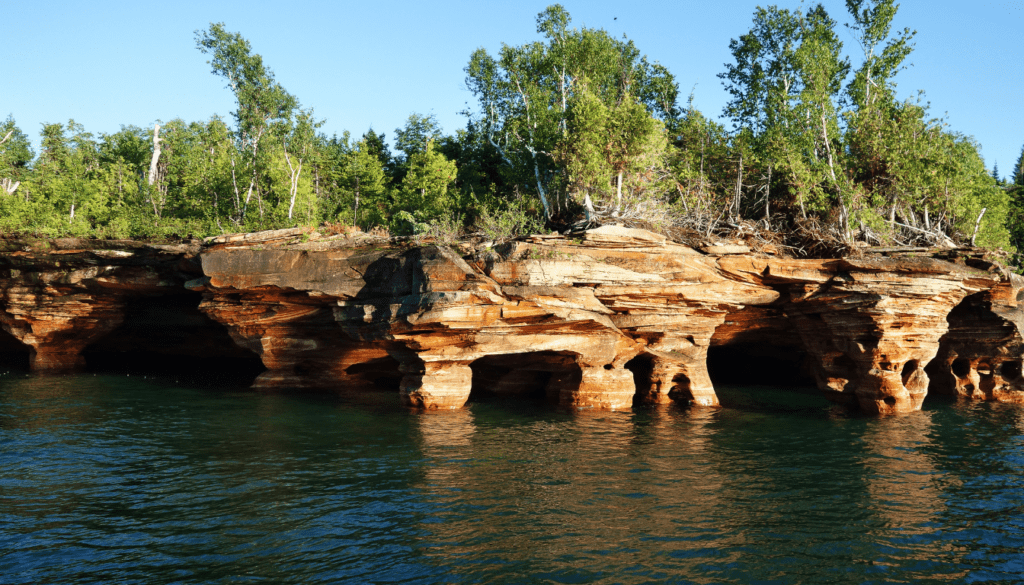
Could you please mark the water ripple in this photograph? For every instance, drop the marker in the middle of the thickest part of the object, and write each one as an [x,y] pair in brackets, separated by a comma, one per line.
[108,479]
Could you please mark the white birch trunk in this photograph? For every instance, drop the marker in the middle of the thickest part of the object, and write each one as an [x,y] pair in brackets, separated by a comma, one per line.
[9,186]
[977,224]
[156,154]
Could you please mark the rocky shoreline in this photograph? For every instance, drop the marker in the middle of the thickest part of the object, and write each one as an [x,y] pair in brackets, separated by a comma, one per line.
[595,320]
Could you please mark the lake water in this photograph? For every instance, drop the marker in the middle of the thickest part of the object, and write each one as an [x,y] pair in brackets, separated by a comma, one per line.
[131,480]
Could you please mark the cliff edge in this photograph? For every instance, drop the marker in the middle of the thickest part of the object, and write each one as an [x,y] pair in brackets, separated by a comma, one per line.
[598,320]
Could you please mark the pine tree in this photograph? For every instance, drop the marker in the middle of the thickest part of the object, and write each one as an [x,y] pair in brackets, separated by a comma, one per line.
[1017,176]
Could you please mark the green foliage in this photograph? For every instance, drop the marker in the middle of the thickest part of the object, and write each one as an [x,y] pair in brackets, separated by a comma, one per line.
[1016,176]
[524,93]
[575,125]
[872,83]
[262,101]
[424,196]
[610,149]
[509,219]
[1015,213]
[839,142]
[418,131]
[446,230]
[15,147]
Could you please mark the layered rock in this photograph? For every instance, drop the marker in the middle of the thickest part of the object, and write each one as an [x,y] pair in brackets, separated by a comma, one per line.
[59,296]
[599,320]
[426,308]
[981,355]
[871,325]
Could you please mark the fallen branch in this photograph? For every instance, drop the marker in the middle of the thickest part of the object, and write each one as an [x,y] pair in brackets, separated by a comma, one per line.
[882,249]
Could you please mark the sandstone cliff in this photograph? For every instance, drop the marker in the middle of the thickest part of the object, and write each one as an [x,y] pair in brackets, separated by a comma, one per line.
[598,320]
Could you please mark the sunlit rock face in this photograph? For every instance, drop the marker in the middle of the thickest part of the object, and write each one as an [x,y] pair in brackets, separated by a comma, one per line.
[872,325]
[600,320]
[981,355]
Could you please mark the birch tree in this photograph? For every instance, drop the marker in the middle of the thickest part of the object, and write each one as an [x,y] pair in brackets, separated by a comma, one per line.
[261,101]
[297,141]
[524,93]
[15,156]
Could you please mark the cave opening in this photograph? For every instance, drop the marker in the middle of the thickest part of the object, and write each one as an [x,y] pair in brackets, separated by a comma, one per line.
[762,377]
[532,377]
[1011,370]
[908,371]
[169,336]
[379,373]
[14,355]
[974,344]
[757,361]
[760,364]
[642,367]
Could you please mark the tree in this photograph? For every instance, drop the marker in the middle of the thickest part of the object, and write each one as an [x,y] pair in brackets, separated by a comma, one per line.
[413,137]
[123,157]
[607,147]
[822,71]
[524,93]
[298,140]
[198,170]
[261,99]
[872,109]
[1015,216]
[872,82]
[482,174]
[785,85]
[424,193]
[15,155]
[366,179]
[63,182]
[701,161]
[1017,175]
[376,145]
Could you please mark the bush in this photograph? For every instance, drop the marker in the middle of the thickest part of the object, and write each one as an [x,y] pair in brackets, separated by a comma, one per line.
[514,219]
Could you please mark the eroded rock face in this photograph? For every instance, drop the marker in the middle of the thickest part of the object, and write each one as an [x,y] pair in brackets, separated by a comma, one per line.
[875,324]
[600,321]
[981,355]
[65,295]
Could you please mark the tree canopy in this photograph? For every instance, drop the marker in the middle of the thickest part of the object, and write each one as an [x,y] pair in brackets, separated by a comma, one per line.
[575,128]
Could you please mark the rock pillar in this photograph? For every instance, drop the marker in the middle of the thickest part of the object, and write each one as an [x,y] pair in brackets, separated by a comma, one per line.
[57,316]
[689,379]
[694,379]
[655,383]
[436,385]
[602,387]
[872,349]
[57,345]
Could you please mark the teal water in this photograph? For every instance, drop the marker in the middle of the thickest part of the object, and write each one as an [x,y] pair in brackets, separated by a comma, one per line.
[108,479]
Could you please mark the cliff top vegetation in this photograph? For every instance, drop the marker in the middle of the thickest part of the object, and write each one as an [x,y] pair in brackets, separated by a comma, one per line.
[575,129]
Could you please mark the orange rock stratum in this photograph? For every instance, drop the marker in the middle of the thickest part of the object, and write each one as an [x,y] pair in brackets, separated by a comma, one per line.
[597,320]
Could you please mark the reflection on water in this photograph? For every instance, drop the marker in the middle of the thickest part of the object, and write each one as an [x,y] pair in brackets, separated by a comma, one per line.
[129,480]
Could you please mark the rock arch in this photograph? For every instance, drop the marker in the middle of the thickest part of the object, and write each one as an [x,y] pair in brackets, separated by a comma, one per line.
[980,357]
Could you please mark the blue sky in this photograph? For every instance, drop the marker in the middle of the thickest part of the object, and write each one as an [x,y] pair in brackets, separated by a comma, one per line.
[361,64]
